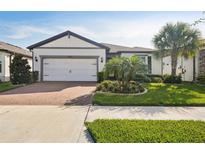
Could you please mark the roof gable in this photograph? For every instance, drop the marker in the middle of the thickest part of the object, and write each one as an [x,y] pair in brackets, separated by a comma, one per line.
[63,36]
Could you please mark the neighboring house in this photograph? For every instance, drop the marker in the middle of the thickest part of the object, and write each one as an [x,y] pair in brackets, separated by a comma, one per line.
[71,57]
[7,52]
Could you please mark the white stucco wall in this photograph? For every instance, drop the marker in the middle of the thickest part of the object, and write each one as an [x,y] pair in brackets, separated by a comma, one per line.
[156,65]
[101,53]
[7,66]
[184,63]
[2,66]
[4,75]
[197,64]
[166,65]
[30,62]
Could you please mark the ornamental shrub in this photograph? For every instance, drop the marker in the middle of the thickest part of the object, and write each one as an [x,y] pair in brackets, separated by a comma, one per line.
[173,79]
[20,70]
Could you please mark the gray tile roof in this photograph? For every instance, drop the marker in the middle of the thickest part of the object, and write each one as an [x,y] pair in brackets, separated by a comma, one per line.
[118,48]
[143,49]
[14,49]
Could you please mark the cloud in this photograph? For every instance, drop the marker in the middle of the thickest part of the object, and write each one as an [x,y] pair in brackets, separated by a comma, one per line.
[25,31]
[122,31]
[82,30]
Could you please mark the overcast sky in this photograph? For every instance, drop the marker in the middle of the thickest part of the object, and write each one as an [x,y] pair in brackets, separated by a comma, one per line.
[123,28]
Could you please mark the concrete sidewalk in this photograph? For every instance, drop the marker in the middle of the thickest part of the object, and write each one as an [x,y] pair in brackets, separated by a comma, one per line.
[159,113]
[66,123]
[42,124]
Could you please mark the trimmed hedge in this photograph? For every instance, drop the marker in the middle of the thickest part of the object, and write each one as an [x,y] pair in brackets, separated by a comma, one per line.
[100,77]
[156,80]
[155,75]
[201,79]
[152,78]
[142,78]
[147,78]
[34,76]
[172,79]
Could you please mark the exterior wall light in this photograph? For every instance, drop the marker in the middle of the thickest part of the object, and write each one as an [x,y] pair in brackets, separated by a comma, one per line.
[36,59]
[101,59]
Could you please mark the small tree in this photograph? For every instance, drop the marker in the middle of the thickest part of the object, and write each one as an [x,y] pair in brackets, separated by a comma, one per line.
[124,69]
[20,70]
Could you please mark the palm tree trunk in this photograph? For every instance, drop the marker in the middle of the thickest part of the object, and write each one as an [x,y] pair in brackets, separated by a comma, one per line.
[173,63]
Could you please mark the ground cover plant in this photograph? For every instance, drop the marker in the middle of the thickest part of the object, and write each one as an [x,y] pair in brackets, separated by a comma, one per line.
[147,131]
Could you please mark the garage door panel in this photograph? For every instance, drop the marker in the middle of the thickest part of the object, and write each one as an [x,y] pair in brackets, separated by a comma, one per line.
[69,69]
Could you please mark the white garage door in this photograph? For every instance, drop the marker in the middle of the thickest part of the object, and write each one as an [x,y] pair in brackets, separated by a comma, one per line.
[69,69]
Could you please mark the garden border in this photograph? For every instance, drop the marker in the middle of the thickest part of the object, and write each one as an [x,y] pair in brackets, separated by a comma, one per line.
[136,94]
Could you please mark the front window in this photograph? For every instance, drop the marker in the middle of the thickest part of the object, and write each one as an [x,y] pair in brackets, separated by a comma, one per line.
[143,59]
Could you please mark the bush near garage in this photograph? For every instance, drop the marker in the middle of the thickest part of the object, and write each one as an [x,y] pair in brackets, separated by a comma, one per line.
[100,77]
[20,70]
[155,75]
[201,78]
[156,80]
[147,78]
[172,79]
[115,87]
[34,76]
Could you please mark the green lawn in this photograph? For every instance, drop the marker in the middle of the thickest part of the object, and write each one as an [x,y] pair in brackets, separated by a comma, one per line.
[147,131]
[7,86]
[158,94]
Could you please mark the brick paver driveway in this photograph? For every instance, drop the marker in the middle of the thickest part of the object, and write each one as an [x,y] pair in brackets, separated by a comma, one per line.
[49,93]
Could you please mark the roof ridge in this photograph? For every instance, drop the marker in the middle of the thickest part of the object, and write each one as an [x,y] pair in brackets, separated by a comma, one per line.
[143,47]
[118,45]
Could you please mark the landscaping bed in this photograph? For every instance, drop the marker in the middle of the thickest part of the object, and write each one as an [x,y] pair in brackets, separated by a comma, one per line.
[159,94]
[147,131]
[4,86]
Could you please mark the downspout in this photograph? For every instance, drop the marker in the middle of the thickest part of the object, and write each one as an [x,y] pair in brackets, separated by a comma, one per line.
[182,68]
[194,68]
[32,60]
[162,66]
[10,67]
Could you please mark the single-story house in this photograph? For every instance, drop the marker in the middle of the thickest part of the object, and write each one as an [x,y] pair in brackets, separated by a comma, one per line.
[72,57]
[7,52]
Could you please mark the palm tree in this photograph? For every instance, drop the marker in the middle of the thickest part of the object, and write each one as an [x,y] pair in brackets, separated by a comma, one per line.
[176,40]
[124,69]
